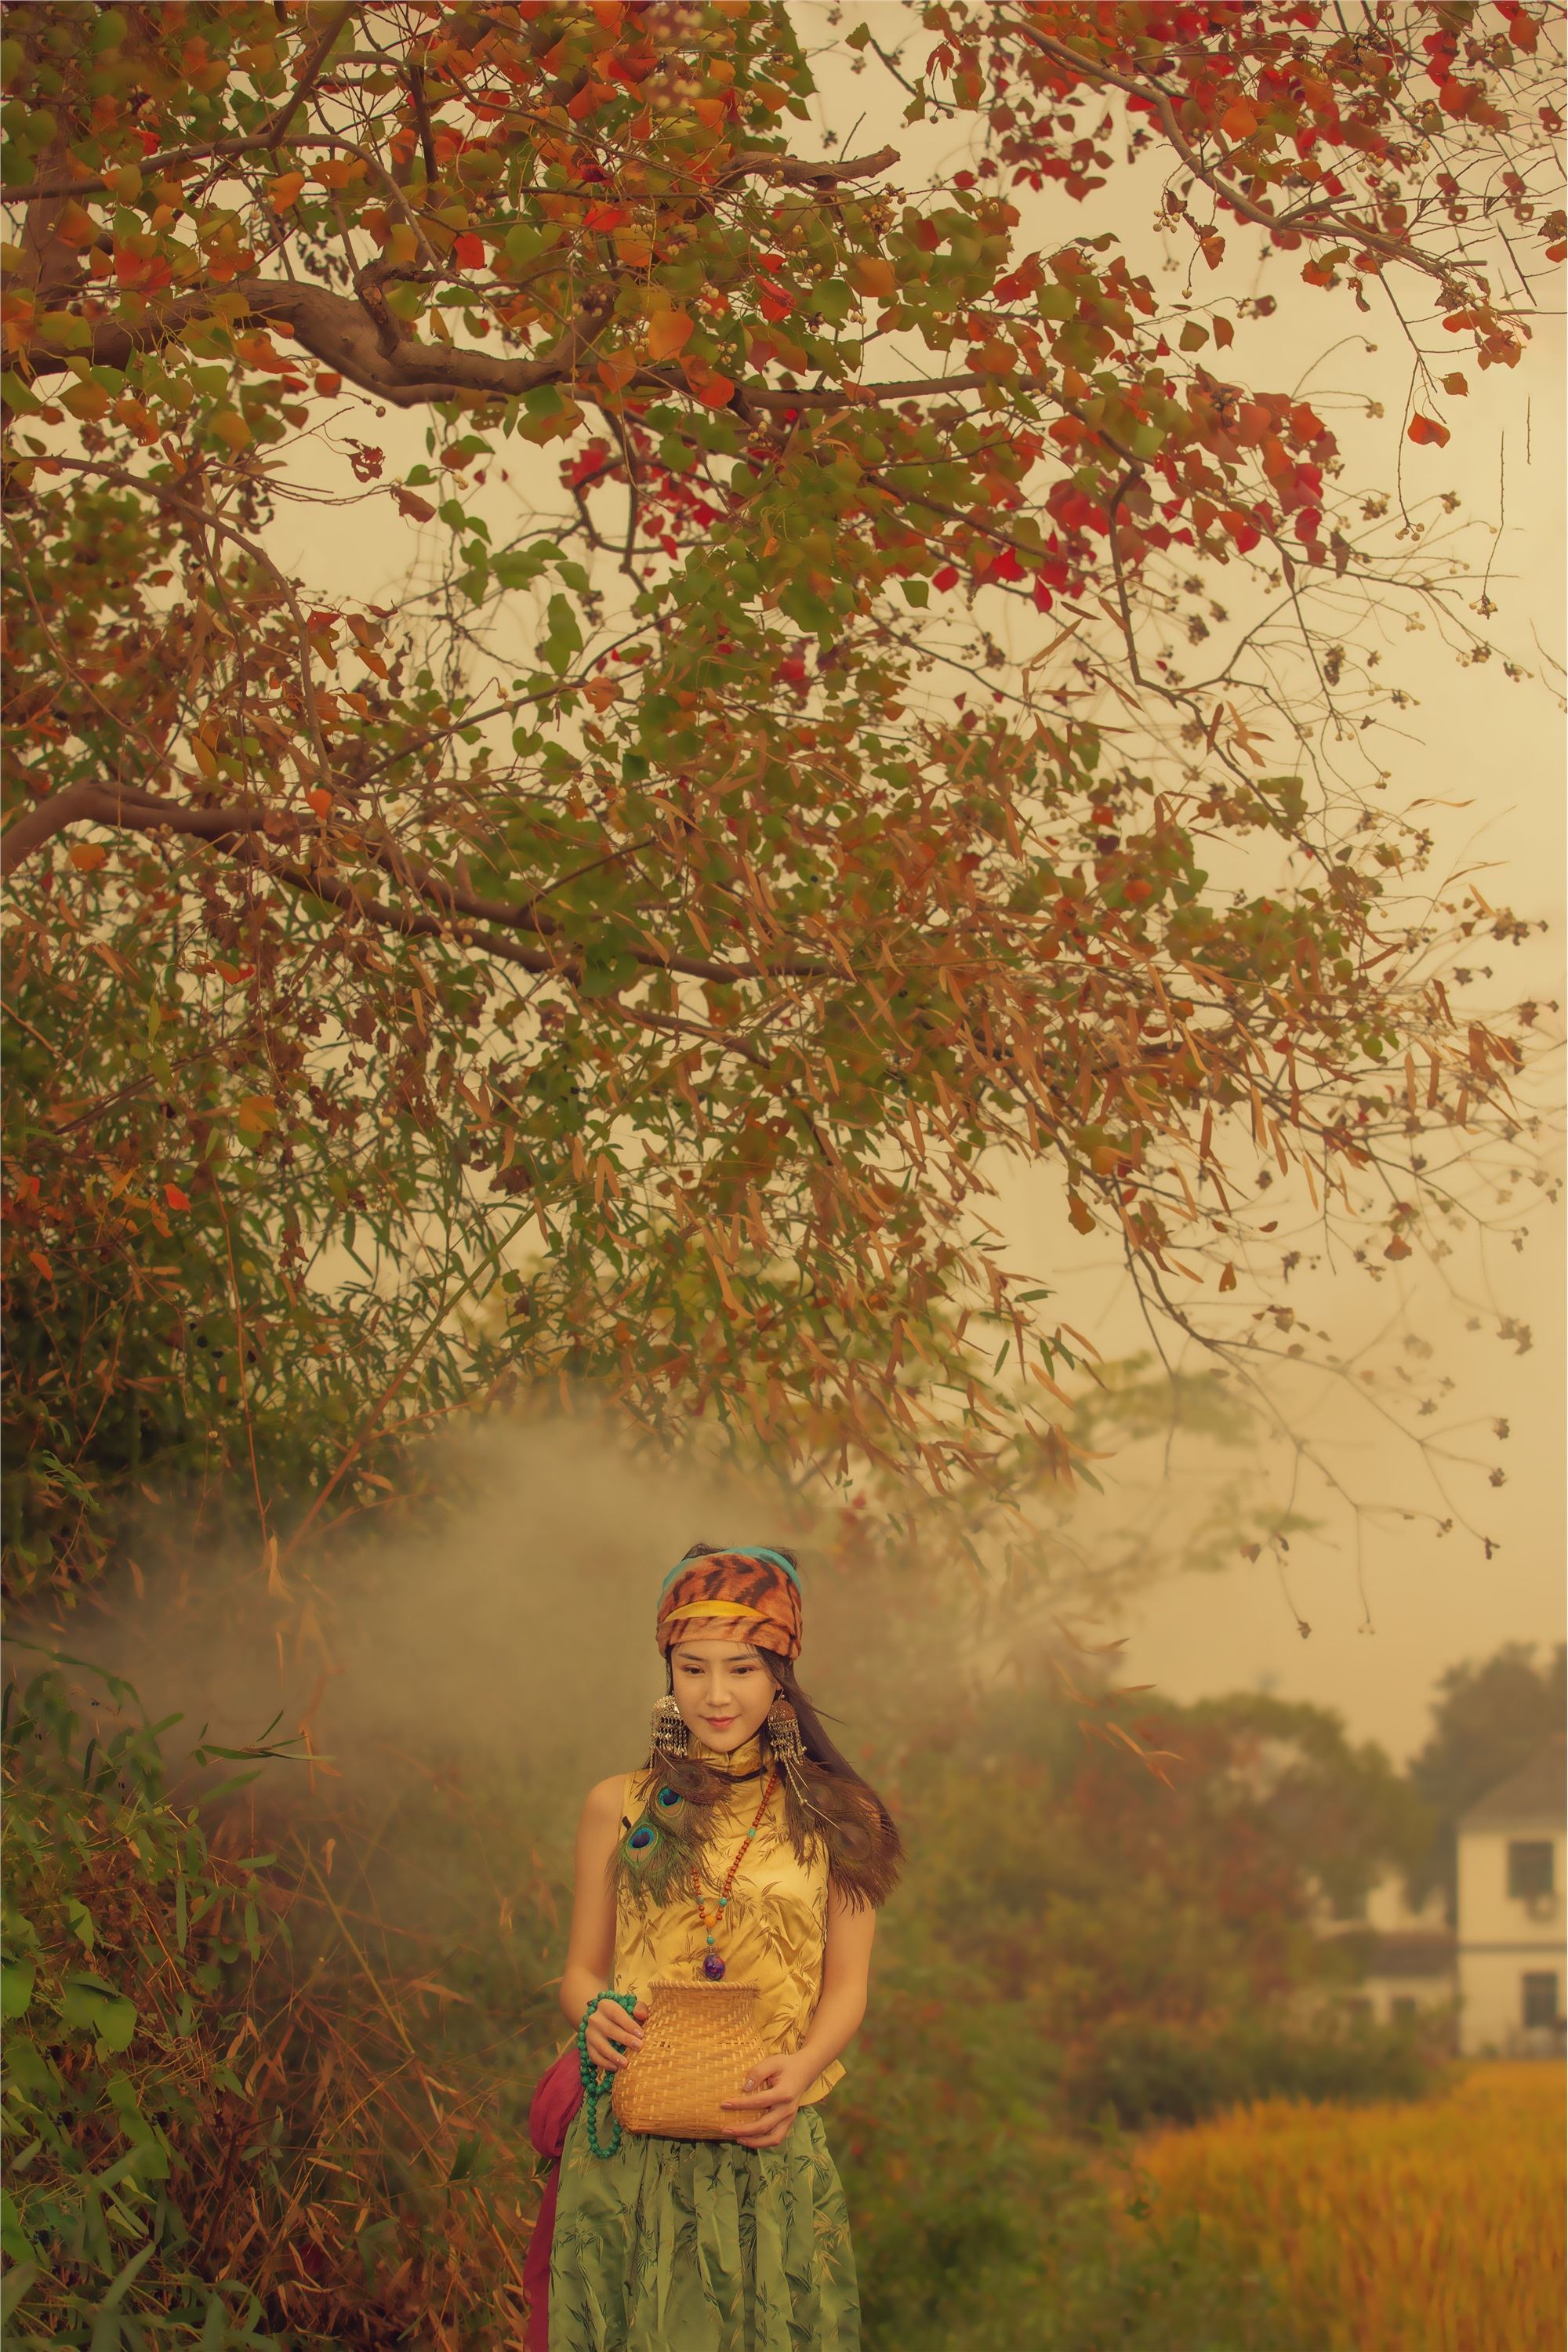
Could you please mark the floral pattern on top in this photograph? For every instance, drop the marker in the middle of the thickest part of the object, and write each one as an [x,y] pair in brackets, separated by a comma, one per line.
[772,1935]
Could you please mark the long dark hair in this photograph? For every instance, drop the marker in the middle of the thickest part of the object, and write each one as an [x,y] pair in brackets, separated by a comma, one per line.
[840,1807]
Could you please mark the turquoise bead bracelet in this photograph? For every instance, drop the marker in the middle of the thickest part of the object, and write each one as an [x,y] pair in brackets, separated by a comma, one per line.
[594,2083]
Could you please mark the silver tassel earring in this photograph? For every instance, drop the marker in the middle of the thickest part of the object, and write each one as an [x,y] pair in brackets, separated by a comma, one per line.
[789,1752]
[669,1735]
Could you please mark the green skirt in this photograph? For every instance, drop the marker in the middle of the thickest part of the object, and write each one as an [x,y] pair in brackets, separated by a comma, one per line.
[694,2245]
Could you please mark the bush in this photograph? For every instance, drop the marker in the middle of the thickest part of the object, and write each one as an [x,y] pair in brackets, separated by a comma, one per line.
[982,2226]
[1146,2072]
[1023,2244]
[234,2114]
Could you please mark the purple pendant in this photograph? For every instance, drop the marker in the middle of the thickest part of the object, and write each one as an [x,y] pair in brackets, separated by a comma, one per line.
[713,1965]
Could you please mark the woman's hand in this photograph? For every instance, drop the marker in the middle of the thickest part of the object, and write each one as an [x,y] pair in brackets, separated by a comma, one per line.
[612,2035]
[769,2101]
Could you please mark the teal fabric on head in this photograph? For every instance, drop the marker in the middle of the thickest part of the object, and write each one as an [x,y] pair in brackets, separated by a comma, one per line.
[692,2245]
[751,1552]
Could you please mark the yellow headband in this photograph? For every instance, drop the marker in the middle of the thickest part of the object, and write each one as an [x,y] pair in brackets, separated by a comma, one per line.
[713,1609]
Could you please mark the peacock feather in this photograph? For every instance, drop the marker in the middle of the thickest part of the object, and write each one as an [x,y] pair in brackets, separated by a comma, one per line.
[654,1860]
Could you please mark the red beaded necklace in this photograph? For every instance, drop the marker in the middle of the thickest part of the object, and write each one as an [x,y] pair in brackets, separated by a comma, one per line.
[712,1909]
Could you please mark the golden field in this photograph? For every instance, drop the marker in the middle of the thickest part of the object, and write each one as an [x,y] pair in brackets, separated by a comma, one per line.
[1431,2228]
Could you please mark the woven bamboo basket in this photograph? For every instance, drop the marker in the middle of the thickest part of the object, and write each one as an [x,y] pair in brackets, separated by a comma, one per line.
[699,2044]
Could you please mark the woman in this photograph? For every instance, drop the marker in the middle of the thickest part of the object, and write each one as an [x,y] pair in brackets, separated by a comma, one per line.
[746,1846]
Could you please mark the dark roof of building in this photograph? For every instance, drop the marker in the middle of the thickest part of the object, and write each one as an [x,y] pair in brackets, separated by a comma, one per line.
[1411,1953]
[1535,1794]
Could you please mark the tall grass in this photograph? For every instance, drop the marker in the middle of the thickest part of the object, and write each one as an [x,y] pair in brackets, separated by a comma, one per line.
[1434,2228]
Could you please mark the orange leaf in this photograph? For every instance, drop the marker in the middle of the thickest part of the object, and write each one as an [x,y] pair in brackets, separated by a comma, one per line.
[617,369]
[872,274]
[1426,429]
[87,856]
[284,191]
[175,1198]
[74,226]
[667,330]
[1228,1279]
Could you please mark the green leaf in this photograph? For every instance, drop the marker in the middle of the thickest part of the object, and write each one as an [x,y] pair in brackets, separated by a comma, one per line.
[18,2283]
[91,2006]
[603,971]
[17,1980]
[562,637]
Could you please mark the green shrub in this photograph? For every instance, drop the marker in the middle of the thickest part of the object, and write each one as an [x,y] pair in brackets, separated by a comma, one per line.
[128,1950]
[1146,2072]
[234,2112]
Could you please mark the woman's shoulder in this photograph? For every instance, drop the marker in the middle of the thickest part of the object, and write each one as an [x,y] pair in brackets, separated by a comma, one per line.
[605,1800]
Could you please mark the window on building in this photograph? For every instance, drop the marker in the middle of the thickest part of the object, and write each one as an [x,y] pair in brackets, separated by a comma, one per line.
[1530,1867]
[1540,1997]
[1402,2007]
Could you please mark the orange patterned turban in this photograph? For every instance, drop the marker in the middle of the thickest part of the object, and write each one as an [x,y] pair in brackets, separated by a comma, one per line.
[750,1594]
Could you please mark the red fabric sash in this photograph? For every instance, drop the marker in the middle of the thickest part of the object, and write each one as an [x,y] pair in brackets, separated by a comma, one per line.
[557,2096]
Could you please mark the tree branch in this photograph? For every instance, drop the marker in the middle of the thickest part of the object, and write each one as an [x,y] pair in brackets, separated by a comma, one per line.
[226,826]
[1317,221]
[274,133]
[125,810]
[798,171]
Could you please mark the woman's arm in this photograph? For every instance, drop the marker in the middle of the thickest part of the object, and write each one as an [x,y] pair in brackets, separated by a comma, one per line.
[775,2086]
[591,1949]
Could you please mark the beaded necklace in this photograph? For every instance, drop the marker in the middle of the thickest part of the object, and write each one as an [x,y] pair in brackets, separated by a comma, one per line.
[712,1909]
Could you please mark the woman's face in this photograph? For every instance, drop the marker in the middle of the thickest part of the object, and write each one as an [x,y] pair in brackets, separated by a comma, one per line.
[724,1692]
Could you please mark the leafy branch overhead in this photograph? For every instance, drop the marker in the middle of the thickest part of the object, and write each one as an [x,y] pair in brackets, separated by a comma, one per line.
[882,786]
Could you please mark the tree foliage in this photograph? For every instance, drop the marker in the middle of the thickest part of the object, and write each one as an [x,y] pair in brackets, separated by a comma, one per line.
[1490,1718]
[626,960]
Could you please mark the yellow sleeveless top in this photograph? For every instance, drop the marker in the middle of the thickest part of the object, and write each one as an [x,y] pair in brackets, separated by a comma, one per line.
[773,1932]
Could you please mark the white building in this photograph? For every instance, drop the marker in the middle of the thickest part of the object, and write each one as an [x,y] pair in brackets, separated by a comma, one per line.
[1513,1946]
[1403,1955]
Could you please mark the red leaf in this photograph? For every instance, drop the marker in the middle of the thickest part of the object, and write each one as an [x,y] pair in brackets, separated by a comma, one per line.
[946,578]
[469,251]
[175,1198]
[1426,429]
